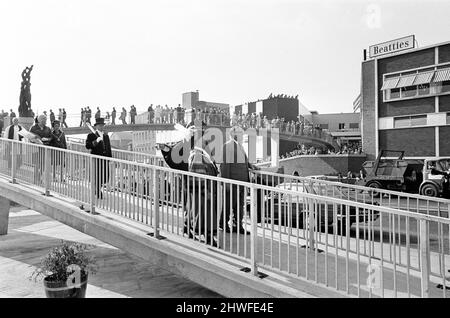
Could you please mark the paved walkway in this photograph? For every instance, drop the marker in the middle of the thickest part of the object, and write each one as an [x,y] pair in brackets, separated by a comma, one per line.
[31,235]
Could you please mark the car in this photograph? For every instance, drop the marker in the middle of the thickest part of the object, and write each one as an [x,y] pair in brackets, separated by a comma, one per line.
[276,208]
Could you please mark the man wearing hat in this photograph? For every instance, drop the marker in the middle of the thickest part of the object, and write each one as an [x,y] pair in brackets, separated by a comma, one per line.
[100,145]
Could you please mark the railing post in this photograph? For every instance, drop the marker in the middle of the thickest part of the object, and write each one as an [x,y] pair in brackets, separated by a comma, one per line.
[424,258]
[93,183]
[156,180]
[254,227]
[13,162]
[47,170]
[310,241]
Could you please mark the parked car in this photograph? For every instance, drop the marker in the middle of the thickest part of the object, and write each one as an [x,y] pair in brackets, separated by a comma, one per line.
[292,210]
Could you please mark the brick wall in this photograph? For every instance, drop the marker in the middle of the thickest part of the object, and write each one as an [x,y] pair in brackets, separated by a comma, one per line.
[368,109]
[323,164]
[398,63]
[444,141]
[416,142]
[444,103]
[444,53]
[270,108]
[407,107]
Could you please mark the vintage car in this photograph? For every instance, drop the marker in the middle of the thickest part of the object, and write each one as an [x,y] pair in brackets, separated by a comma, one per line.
[292,210]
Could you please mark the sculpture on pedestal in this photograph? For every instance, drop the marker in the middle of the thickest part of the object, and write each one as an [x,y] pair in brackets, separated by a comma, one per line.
[25,94]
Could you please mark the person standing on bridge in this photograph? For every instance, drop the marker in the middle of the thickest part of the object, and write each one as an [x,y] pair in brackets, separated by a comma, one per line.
[98,114]
[234,166]
[52,117]
[99,144]
[45,134]
[64,116]
[151,114]
[113,116]
[123,116]
[88,115]
[202,193]
[133,114]
[82,114]
[12,132]
[58,141]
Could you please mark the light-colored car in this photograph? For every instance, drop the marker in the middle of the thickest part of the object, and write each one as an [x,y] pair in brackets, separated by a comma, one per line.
[293,209]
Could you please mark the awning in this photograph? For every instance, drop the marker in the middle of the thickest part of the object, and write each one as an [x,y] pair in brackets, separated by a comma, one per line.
[406,80]
[390,83]
[442,75]
[423,78]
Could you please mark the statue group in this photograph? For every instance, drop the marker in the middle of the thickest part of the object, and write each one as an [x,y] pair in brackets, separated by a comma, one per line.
[25,94]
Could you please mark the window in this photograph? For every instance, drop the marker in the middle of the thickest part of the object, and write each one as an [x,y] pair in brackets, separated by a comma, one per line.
[419,120]
[341,125]
[402,122]
[392,94]
[420,83]
[324,126]
[410,121]
[354,125]
[424,89]
[409,91]
[445,87]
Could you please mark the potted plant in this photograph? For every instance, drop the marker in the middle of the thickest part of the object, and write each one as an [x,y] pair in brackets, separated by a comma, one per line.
[65,271]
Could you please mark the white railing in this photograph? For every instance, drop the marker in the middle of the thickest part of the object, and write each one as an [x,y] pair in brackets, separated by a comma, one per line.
[394,199]
[358,248]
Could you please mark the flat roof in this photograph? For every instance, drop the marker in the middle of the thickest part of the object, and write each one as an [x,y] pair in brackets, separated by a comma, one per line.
[408,51]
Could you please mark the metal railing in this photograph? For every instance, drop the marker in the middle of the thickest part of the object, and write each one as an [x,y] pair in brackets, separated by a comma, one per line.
[347,191]
[133,156]
[360,249]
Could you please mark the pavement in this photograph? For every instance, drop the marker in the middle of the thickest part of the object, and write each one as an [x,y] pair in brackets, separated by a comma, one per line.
[120,275]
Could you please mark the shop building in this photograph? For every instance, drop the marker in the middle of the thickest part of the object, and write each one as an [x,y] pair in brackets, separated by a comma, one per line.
[281,105]
[405,102]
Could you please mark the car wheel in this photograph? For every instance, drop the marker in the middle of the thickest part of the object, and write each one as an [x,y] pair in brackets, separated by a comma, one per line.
[374,185]
[429,190]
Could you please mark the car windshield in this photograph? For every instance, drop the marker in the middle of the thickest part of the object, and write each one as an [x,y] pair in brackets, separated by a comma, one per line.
[443,164]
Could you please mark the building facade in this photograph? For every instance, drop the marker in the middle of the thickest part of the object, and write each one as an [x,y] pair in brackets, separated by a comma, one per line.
[283,106]
[190,101]
[405,102]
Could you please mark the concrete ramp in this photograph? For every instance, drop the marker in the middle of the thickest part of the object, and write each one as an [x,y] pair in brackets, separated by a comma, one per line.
[219,272]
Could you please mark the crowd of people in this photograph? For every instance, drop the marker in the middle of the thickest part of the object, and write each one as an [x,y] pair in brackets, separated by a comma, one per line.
[301,126]
[110,118]
[302,150]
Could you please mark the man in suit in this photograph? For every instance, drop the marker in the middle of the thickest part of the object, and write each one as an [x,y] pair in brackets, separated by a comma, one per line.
[234,166]
[100,145]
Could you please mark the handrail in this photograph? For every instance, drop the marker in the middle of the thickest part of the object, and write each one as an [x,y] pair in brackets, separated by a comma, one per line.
[283,218]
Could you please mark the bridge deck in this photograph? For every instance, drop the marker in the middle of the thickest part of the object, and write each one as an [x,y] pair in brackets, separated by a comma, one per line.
[270,250]
[119,275]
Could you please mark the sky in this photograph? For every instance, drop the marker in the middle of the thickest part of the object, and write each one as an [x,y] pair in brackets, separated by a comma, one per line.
[104,53]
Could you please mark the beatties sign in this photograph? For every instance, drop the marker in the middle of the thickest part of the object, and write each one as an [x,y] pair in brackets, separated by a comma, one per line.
[402,44]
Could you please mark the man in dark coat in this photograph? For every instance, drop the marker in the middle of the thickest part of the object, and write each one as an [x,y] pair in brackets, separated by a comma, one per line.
[44,136]
[234,166]
[58,141]
[100,145]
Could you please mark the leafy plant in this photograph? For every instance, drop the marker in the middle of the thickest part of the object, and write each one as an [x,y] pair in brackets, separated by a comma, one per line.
[62,260]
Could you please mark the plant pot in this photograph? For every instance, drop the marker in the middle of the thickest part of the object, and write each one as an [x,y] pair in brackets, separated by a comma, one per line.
[57,289]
